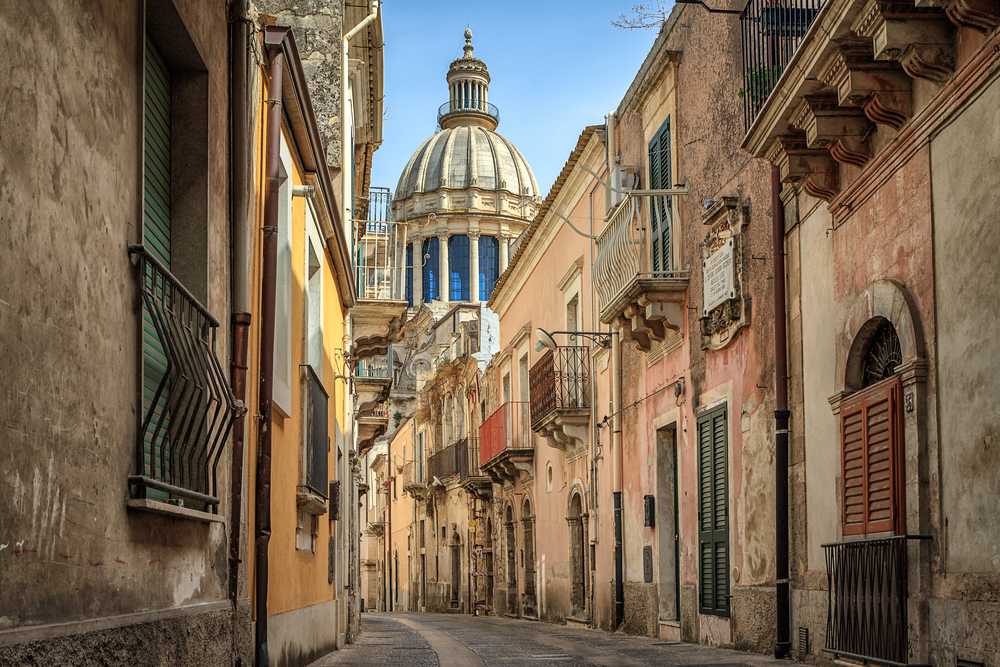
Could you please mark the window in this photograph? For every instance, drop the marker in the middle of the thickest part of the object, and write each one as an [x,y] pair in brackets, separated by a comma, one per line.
[489,265]
[181,429]
[420,457]
[458,259]
[713,512]
[431,288]
[660,207]
[282,397]
[409,274]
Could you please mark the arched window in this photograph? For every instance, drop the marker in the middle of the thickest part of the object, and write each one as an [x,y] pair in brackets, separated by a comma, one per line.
[431,287]
[882,356]
[458,259]
[489,265]
[409,274]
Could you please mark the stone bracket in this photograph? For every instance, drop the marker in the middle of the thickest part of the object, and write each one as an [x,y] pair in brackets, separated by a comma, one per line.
[813,168]
[919,38]
[841,130]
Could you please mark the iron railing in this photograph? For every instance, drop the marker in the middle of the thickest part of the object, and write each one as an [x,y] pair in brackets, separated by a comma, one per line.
[771,31]
[467,105]
[866,612]
[316,434]
[381,411]
[413,474]
[191,412]
[559,381]
[506,429]
[379,253]
[468,458]
[444,463]
[374,367]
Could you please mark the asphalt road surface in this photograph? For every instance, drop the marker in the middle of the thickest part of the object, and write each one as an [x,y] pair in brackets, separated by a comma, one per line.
[452,640]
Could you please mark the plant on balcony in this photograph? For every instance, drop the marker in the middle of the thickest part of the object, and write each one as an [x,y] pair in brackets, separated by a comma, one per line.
[758,81]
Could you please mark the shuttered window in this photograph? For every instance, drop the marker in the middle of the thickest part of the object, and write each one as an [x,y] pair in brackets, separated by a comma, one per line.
[156,238]
[659,178]
[870,428]
[713,512]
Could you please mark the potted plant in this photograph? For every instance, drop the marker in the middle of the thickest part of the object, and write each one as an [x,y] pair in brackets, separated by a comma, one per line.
[758,81]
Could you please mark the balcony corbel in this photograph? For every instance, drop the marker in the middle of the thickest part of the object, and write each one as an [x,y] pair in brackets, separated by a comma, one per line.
[813,168]
[376,325]
[917,37]
[981,15]
[841,130]
[880,88]
[371,391]
[369,429]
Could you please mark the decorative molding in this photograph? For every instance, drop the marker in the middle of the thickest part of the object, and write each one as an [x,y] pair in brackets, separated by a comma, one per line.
[813,168]
[919,38]
[575,269]
[726,220]
[841,130]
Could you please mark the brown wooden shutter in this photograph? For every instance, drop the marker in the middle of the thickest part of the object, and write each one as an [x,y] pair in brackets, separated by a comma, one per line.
[870,433]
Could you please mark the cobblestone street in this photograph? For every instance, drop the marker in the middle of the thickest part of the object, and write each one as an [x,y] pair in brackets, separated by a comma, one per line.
[425,640]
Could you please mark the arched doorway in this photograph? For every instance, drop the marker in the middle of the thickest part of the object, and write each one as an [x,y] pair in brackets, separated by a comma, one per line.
[528,523]
[511,562]
[456,571]
[578,578]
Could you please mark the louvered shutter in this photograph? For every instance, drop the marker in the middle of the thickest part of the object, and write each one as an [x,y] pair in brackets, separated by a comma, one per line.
[156,237]
[713,513]
[870,424]
[660,177]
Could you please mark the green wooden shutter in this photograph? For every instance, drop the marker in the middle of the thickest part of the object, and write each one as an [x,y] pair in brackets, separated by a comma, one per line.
[713,512]
[156,237]
[660,177]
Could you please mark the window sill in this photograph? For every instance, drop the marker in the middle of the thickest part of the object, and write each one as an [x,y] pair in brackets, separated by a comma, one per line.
[159,507]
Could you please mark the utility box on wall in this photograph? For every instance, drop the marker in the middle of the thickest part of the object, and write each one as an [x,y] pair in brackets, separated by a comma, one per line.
[650,513]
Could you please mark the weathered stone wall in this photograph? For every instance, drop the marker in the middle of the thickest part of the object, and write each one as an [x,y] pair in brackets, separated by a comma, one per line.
[70,165]
[317,25]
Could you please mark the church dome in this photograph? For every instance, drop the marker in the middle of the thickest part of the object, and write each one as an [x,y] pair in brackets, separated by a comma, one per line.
[467,156]
[467,153]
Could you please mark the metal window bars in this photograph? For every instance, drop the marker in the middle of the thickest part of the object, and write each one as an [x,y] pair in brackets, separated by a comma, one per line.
[866,609]
[316,433]
[771,31]
[185,426]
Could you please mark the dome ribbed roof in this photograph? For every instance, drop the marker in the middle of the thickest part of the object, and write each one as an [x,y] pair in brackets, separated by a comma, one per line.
[463,157]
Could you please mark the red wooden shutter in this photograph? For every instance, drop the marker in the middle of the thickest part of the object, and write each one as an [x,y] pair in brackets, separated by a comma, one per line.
[870,435]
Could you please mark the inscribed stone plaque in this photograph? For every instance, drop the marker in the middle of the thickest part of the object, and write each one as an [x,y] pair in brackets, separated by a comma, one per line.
[717,274]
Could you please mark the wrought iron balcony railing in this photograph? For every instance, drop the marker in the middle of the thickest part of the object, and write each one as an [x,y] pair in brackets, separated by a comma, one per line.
[444,463]
[316,435]
[507,429]
[187,420]
[559,381]
[866,612]
[378,261]
[468,459]
[771,31]
[374,367]
[468,106]
[381,411]
[376,207]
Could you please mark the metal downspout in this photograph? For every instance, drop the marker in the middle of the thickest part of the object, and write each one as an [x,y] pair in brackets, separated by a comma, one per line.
[616,474]
[781,413]
[239,268]
[268,286]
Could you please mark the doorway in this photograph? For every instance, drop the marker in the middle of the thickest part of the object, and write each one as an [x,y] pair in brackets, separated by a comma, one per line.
[456,570]
[668,537]
[511,563]
[528,523]
[576,555]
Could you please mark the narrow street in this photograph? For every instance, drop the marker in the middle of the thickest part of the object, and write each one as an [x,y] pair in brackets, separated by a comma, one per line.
[426,640]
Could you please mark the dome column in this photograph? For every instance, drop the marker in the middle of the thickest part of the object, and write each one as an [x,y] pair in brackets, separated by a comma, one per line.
[504,238]
[418,270]
[474,265]
[444,282]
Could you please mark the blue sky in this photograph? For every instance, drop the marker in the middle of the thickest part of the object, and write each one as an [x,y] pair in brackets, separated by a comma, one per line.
[556,67]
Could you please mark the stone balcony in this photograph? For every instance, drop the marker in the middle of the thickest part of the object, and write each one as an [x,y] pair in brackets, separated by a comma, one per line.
[560,399]
[860,92]
[505,443]
[371,427]
[639,295]
[381,309]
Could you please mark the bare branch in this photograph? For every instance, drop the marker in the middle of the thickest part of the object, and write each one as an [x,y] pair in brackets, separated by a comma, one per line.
[643,16]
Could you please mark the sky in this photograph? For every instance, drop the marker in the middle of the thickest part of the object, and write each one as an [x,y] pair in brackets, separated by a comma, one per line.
[556,66]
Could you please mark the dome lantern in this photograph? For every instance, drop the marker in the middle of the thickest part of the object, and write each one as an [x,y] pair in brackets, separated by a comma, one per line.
[468,93]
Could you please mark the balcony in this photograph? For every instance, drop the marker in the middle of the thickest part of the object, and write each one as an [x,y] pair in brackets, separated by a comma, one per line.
[866,614]
[470,476]
[505,446]
[560,399]
[643,303]
[849,87]
[313,487]
[372,383]
[444,463]
[414,477]
[379,272]
[371,427]
[188,407]
[480,112]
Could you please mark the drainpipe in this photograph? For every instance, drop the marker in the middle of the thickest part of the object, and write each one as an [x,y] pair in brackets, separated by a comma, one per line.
[268,286]
[781,413]
[239,267]
[616,473]
[346,158]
